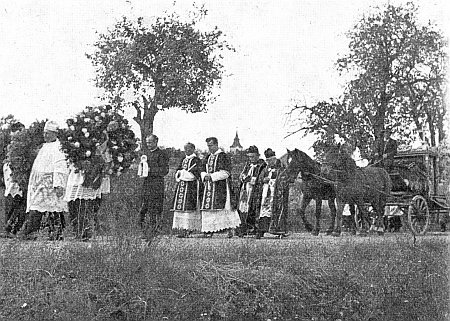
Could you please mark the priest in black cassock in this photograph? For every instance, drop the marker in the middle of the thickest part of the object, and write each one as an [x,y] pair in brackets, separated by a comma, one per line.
[250,193]
[154,166]
[217,213]
[186,216]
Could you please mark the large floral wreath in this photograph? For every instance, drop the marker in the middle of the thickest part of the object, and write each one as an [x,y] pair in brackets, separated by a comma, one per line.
[22,152]
[98,141]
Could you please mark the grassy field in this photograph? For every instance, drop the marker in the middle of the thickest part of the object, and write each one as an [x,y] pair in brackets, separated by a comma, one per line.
[300,278]
[118,276]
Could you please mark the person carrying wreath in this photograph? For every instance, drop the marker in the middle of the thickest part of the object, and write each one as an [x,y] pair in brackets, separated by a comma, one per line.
[46,186]
[250,190]
[187,217]
[85,190]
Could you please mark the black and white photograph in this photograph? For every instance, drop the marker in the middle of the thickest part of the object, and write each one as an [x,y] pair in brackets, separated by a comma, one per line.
[242,160]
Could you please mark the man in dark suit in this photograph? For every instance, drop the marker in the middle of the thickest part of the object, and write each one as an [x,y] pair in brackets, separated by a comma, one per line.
[153,185]
[385,151]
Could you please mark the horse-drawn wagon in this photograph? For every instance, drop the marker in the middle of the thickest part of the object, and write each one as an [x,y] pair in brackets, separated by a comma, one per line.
[409,190]
[416,197]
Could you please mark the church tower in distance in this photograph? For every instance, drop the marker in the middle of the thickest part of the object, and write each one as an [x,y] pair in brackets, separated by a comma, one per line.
[236,147]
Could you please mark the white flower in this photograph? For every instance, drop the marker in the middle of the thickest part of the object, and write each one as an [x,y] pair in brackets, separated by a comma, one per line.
[75,120]
[103,114]
[120,158]
[86,134]
[76,144]
[97,118]
[88,153]
[87,120]
[72,128]
[84,130]
[69,138]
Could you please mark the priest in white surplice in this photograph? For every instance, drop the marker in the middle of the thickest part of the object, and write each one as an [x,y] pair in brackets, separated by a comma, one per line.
[46,186]
[217,214]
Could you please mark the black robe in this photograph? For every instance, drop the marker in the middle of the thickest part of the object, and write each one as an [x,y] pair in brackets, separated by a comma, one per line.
[185,198]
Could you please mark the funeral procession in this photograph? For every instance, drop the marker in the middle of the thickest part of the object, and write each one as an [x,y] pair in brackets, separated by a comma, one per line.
[167,160]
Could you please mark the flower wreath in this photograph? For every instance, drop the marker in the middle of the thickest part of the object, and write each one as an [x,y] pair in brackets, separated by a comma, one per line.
[99,142]
[22,152]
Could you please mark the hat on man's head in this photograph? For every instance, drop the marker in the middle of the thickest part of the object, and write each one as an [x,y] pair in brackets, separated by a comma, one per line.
[269,153]
[51,126]
[252,150]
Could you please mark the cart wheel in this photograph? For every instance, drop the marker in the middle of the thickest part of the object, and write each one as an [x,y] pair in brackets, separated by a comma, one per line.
[368,220]
[418,215]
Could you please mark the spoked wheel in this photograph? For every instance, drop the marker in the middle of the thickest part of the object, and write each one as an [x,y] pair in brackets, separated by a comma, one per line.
[418,215]
[369,220]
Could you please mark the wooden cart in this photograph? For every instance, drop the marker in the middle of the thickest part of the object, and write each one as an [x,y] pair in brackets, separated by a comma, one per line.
[415,194]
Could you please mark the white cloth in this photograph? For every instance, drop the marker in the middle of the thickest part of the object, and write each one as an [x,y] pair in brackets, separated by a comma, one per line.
[356,156]
[11,187]
[75,189]
[267,195]
[184,175]
[49,171]
[189,220]
[246,193]
[217,220]
[346,211]
[143,167]
[392,211]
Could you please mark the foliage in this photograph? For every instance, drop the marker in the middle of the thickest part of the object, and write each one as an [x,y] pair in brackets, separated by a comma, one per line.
[169,64]
[397,69]
[23,150]
[87,134]
[5,138]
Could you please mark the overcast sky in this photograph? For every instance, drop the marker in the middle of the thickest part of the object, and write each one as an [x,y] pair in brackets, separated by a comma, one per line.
[284,50]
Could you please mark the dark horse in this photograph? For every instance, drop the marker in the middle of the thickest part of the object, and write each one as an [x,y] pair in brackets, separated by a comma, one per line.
[312,186]
[356,185]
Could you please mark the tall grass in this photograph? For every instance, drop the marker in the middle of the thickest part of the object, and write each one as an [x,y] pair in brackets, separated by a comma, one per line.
[117,276]
[221,279]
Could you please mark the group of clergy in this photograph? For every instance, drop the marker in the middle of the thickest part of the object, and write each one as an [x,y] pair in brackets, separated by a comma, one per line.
[205,200]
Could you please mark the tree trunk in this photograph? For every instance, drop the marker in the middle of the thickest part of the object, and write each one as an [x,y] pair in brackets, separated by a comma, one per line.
[440,121]
[379,124]
[147,125]
[145,116]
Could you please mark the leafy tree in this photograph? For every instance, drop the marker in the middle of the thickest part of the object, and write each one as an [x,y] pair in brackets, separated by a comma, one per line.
[169,64]
[397,70]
